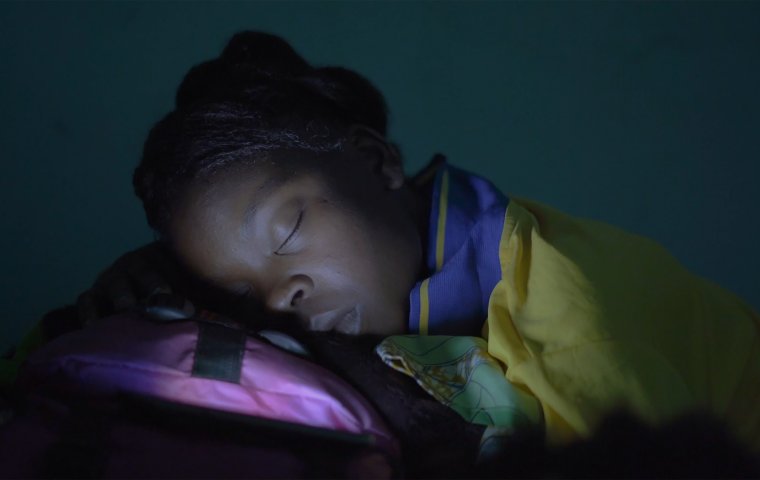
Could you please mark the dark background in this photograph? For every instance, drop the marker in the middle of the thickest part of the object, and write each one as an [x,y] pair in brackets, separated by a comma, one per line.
[641,114]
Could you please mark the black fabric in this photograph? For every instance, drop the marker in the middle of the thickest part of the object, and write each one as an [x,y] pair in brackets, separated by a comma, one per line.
[81,447]
[219,352]
[60,321]
[436,442]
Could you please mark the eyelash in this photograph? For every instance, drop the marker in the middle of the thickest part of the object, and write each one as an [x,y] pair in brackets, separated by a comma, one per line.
[292,234]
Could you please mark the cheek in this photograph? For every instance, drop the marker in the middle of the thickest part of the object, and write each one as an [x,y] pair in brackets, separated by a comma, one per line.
[361,257]
[359,262]
[344,251]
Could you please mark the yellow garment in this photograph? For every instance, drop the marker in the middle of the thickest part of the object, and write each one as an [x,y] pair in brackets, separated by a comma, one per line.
[590,318]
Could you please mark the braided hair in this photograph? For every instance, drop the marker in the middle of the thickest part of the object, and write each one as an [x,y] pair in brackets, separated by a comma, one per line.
[258,95]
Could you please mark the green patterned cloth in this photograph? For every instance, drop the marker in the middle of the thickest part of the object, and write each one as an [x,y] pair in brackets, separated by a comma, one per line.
[459,372]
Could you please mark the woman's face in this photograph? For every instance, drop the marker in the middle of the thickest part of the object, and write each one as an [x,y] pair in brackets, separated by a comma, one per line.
[340,251]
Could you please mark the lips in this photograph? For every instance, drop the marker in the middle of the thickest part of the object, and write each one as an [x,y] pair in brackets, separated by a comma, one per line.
[344,320]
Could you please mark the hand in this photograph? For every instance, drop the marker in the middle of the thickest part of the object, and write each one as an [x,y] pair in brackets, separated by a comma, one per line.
[132,277]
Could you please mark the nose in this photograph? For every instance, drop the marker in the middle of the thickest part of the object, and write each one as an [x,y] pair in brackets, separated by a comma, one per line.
[289,295]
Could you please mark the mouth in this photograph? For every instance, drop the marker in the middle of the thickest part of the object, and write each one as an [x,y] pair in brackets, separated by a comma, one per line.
[343,320]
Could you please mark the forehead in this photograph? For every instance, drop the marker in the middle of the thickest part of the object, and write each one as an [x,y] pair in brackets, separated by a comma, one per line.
[202,225]
[258,177]
[212,227]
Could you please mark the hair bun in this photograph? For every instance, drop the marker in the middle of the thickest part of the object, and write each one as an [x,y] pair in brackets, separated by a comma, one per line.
[354,94]
[264,52]
[249,59]
[264,71]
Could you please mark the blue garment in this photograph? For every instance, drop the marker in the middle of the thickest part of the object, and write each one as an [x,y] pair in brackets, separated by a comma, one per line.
[466,222]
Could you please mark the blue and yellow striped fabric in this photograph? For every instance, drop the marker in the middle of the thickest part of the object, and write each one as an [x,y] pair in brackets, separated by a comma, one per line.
[584,316]
[466,221]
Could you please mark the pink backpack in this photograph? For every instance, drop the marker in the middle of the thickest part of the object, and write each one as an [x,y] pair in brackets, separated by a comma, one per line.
[130,397]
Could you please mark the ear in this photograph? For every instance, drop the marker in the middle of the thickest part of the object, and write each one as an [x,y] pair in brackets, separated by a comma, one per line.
[382,156]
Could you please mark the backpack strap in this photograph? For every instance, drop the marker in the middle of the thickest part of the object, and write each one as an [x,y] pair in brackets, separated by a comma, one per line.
[220,347]
[219,352]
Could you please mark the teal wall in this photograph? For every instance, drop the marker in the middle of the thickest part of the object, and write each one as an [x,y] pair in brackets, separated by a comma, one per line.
[643,114]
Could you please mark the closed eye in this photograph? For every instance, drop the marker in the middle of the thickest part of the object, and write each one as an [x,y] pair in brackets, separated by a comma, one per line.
[287,240]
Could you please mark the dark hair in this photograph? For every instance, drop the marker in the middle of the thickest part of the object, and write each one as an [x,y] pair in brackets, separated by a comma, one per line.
[258,95]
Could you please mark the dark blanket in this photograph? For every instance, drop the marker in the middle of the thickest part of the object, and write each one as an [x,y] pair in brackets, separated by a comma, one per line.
[436,442]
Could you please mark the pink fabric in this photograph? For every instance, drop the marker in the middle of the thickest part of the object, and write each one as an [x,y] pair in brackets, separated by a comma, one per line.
[125,353]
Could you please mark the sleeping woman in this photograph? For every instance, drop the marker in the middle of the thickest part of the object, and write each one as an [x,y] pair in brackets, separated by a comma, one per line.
[274,180]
